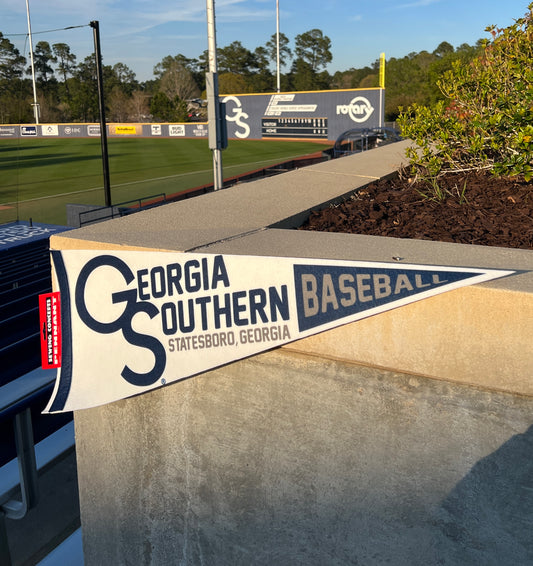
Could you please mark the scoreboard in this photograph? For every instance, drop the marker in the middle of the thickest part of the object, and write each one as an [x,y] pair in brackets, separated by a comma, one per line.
[294,128]
[324,114]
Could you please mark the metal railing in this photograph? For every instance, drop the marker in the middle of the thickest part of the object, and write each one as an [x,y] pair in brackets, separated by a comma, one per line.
[19,486]
[357,140]
[102,213]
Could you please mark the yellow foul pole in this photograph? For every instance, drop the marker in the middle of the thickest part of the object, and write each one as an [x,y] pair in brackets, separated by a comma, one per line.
[382,71]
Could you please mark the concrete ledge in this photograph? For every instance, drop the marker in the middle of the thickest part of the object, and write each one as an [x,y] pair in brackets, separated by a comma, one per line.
[477,335]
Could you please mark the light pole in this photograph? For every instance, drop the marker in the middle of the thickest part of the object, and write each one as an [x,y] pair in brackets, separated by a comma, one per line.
[101,105]
[35,103]
[215,119]
[278,84]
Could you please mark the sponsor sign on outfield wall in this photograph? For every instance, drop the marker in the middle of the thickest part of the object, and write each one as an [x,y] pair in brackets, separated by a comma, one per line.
[73,131]
[8,131]
[125,130]
[28,131]
[50,130]
[134,321]
[188,130]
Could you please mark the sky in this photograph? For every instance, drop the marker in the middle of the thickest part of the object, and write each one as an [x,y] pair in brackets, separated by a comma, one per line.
[140,33]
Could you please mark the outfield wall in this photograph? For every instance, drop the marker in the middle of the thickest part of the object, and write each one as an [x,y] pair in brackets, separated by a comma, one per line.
[189,130]
[314,115]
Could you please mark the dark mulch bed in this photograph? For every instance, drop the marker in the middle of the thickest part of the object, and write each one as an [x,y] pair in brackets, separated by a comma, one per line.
[491,211]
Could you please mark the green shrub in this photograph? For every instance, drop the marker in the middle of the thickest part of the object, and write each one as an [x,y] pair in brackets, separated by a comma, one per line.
[486,121]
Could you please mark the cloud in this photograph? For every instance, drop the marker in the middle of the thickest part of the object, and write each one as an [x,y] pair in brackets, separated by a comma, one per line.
[415,4]
[137,15]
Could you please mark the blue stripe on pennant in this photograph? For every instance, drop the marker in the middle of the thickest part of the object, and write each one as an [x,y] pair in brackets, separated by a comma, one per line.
[329,293]
[63,390]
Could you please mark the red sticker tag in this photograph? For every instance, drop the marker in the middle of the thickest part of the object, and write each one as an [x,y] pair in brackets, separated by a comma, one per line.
[50,330]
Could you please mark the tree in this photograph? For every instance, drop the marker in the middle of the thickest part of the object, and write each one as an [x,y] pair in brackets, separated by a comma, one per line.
[125,78]
[178,81]
[314,48]
[302,75]
[169,62]
[119,105]
[443,49]
[202,63]
[42,61]
[235,58]
[262,80]
[181,113]
[351,78]
[139,106]
[66,61]
[370,81]
[164,109]
[445,57]
[49,108]
[260,55]
[407,82]
[181,76]
[285,53]
[161,107]
[198,71]
[12,88]
[486,118]
[84,91]
[231,83]
[11,61]
[411,79]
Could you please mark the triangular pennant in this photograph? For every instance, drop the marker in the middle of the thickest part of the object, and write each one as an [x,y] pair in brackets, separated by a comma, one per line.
[134,321]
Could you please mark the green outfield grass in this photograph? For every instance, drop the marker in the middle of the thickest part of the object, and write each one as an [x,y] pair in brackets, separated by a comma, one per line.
[38,177]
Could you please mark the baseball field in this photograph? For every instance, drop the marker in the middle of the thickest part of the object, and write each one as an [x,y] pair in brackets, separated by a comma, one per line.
[38,177]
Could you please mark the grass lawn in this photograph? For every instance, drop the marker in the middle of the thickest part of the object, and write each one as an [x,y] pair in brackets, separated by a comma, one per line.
[40,176]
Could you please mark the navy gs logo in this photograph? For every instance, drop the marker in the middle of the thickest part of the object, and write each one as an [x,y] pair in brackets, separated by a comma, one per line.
[238,116]
[122,323]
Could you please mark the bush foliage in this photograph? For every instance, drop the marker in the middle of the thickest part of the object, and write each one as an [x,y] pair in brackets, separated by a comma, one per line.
[486,119]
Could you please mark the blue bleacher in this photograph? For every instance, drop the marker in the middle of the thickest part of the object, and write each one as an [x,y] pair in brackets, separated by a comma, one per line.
[29,441]
[24,274]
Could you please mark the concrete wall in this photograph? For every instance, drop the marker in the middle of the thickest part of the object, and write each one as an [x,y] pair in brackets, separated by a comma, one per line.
[402,439]
[288,459]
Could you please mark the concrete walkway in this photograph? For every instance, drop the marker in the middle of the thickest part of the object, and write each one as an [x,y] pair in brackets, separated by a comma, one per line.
[283,201]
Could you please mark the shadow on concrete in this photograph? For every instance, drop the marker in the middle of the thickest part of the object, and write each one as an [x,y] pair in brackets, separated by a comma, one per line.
[488,517]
